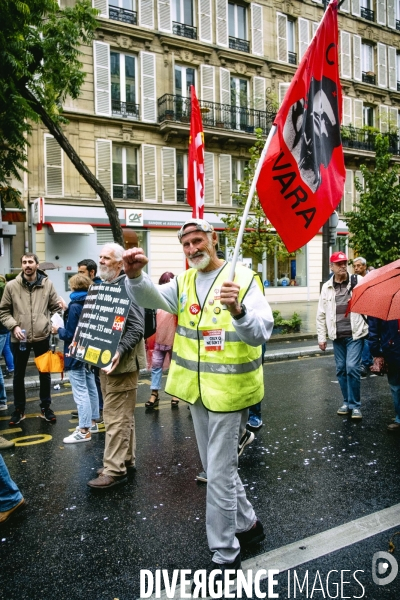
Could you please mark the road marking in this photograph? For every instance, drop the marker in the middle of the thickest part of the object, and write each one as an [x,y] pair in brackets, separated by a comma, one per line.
[35,439]
[5,431]
[321,544]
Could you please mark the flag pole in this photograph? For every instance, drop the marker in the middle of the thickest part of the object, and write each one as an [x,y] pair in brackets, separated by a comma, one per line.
[248,204]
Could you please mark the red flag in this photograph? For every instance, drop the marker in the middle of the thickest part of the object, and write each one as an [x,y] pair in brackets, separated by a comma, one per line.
[302,178]
[195,185]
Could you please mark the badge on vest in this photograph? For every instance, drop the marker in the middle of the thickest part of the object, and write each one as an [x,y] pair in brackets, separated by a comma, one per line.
[217,293]
[194,309]
[214,339]
[183,300]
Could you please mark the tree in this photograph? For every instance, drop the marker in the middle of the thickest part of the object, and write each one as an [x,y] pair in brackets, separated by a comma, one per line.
[260,238]
[375,223]
[40,47]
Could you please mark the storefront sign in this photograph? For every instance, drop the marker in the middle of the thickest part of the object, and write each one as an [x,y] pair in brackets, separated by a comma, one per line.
[134,218]
[101,324]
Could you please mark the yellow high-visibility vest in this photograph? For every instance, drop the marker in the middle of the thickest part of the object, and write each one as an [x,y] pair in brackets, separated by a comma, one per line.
[226,380]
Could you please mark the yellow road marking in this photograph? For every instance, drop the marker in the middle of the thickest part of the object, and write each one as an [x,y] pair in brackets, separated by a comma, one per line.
[16,430]
[39,439]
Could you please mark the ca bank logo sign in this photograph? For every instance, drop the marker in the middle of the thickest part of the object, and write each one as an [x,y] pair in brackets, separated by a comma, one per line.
[384,568]
[134,218]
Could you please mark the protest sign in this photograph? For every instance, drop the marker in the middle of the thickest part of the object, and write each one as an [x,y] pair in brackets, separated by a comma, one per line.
[101,324]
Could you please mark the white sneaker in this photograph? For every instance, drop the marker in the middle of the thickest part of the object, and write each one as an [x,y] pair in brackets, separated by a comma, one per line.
[94,428]
[3,407]
[77,436]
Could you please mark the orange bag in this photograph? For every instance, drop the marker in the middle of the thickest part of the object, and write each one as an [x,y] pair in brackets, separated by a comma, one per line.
[50,362]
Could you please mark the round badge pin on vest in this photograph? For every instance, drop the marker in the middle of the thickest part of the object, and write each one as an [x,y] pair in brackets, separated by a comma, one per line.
[192,323]
[214,319]
[211,302]
[194,309]
[217,310]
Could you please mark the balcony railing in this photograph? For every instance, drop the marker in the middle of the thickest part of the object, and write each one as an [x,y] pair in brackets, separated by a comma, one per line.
[397,25]
[368,14]
[223,116]
[122,14]
[364,139]
[238,44]
[126,192]
[125,109]
[368,77]
[292,58]
[181,195]
[187,31]
[398,86]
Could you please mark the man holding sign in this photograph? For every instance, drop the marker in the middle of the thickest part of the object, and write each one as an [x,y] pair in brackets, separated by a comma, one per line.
[216,366]
[119,381]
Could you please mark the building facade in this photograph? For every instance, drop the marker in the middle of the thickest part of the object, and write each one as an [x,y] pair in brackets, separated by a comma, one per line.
[131,123]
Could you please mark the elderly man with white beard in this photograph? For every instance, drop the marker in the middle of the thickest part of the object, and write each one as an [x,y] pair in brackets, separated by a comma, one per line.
[216,367]
[119,383]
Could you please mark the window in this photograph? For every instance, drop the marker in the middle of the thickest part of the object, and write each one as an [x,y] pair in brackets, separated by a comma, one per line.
[239,103]
[367,62]
[398,71]
[184,78]
[292,57]
[368,116]
[125,173]
[238,167]
[182,11]
[181,176]
[366,10]
[237,26]
[123,85]
[123,10]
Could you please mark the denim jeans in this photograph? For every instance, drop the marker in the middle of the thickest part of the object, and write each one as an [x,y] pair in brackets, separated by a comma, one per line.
[366,356]
[10,495]
[21,358]
[8,355]
[347,357]
[227,509]
[394,383]
[156,374]
[3,396]
[85,395]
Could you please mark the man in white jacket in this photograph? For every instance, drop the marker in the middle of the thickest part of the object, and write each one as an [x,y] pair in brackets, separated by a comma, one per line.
[346,331]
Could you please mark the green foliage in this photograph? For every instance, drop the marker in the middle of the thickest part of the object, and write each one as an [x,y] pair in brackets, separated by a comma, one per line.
[259,237]
[286,325]
[39,51]
[375,223]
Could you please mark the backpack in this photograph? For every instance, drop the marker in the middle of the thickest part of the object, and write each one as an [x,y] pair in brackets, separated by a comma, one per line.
[150,323]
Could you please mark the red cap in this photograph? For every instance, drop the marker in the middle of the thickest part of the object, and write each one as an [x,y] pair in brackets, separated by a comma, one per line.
[338,257]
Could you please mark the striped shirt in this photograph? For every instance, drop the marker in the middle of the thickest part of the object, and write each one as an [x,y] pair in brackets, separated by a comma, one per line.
[342,297]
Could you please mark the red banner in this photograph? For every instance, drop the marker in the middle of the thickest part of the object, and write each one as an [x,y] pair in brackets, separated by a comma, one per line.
[302,179]
[195,185]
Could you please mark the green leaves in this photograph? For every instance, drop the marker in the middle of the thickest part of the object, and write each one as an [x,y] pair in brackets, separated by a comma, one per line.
[375,223]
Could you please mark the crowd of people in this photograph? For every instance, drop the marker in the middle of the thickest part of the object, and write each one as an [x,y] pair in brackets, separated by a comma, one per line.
[211,334]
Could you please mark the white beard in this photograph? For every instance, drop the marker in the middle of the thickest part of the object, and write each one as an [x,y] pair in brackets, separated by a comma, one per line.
[200,263]
[107,273]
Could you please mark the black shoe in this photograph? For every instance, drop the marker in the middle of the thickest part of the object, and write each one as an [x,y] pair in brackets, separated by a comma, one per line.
[9,374]
[255,535]
[16,417]
[213,566]
[245,440]
[48,415]
[363,372]
[74,414]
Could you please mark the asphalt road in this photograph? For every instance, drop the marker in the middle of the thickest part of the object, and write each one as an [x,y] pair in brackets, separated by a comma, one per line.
[309,471]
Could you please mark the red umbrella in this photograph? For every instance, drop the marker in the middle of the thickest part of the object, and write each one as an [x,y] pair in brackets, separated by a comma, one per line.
[378,295]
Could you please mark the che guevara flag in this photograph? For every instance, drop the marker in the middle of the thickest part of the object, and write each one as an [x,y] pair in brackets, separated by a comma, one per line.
[302,178]
[195,184]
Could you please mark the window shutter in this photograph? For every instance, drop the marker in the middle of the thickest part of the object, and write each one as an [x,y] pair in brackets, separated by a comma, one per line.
[225,180]
[393,118]
[164,16]
[381,12]
[168,175]
[146,13]
[149,173]
[391,14]
[103,163]
[348,191]
[382,65]
[225,86]
[283,88]
[345,6]
[259,86]
[102,6]
[209,184]
[357,195]
[358,113]
[392,68]
[222,23]
[356,8]
[102,86]
[148,85]
[345,57]
[314,27]
[205,21]
[257,38]
[347,111]
[304,36]
[281,29]
[357,66]
[207,83]
[383,118]
[54,167]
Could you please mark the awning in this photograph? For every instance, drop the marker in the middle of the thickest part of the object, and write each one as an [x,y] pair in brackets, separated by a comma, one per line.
[70,228]
[13,215]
